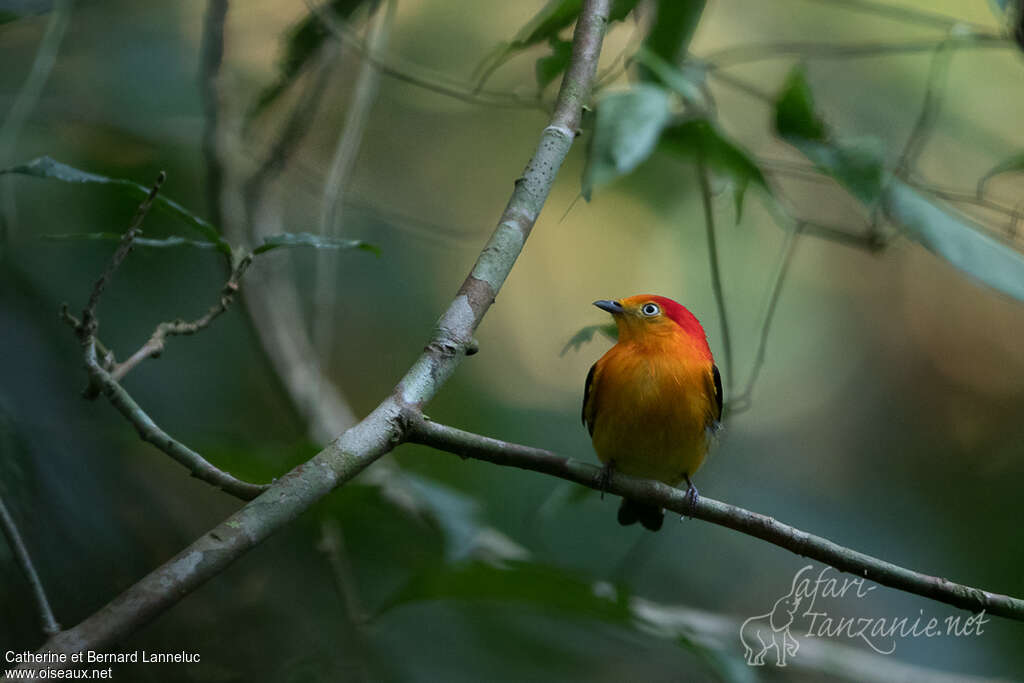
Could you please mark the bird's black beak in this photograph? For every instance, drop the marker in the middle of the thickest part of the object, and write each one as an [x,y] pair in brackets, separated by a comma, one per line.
[613,307]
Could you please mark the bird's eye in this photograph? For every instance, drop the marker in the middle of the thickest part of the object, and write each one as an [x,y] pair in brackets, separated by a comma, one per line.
[650,309]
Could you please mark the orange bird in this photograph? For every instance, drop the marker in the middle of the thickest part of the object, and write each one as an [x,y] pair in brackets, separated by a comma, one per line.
[653,401]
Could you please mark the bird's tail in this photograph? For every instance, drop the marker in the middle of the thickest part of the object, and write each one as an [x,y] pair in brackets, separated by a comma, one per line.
[650,516]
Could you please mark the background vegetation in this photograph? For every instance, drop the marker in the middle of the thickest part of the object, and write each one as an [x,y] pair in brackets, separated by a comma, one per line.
[886,415]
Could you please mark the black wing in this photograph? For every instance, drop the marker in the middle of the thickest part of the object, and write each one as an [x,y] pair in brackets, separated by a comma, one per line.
[719,398]
[587,400]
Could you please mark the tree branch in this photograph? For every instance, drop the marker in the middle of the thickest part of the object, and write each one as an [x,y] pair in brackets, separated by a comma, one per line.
[468,445]
[385,427]
[716,276]
[24,560]
[155,346]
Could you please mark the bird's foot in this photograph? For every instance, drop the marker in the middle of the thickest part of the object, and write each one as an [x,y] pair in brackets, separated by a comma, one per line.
[692,496]
[604,478]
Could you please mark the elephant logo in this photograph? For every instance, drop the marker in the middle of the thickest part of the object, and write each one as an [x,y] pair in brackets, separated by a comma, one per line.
[771,631]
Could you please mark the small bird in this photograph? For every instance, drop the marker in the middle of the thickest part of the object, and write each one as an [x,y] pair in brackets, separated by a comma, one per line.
[652,402]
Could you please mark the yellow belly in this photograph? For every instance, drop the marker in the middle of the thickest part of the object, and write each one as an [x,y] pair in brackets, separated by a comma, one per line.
[652,416]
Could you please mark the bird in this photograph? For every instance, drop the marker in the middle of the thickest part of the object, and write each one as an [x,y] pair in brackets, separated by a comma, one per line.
[654,400]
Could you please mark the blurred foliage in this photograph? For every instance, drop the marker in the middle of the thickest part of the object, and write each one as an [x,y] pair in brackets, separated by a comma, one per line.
[886,418]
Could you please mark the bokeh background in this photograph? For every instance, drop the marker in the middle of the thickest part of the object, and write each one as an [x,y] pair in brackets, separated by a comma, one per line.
[887,416]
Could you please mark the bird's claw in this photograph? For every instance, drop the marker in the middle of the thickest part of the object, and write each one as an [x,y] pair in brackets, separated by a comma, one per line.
[692,496]
[604,478]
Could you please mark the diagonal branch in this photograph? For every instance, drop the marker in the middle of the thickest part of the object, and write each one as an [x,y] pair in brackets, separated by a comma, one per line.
[469,445]
[385,427]
[24,560]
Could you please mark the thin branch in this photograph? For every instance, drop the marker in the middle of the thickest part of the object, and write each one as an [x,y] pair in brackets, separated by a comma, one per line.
[294,128]
[25,102]
[89,321]
[406,72]
[935,87]
[24,560]
[102,381]
[909,15]
[469,445]
[755,52]
[743,401]
[716,275]
[331,209]
[385,427]
[155,346]
[211,58]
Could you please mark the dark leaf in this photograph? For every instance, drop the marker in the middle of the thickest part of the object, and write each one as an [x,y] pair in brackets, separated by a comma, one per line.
[626,130]
[795,115]
[305,239]
[549,67]
[302,42]
[857,164]
[685,82]
[674,25]
[549,22]
[45,167]
[701,138]
[621,8]
[858,167]
[587,333]
[1014,164]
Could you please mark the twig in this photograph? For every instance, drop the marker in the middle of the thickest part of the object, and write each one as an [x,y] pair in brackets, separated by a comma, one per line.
[332,545]
[25,102]
[742,402]
[89,321]
[211,57]
[293,130]
[935,87]
[385,427]
[102,381]
[331,209]
[469,445]
[755,52]
[155,346]
[716,276]
[910,15]
[24,560]
[405,72]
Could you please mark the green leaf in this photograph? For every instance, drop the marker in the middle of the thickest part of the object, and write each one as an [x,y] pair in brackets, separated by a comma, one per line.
[173,241]
[1015,164]
[686,82]
[305,239]
[45,167]
[548,23]
[302,42]
[547,588]
[549,67]
[620,9]
[700,138]
[956,240]
[795,116]
[626,130]
[857,163]
[585,334]
[858,167]
[674,25]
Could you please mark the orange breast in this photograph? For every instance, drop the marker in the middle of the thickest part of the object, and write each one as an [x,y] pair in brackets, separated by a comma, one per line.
[651,412]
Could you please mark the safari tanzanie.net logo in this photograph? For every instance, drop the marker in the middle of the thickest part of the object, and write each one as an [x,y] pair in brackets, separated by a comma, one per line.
[804,612]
